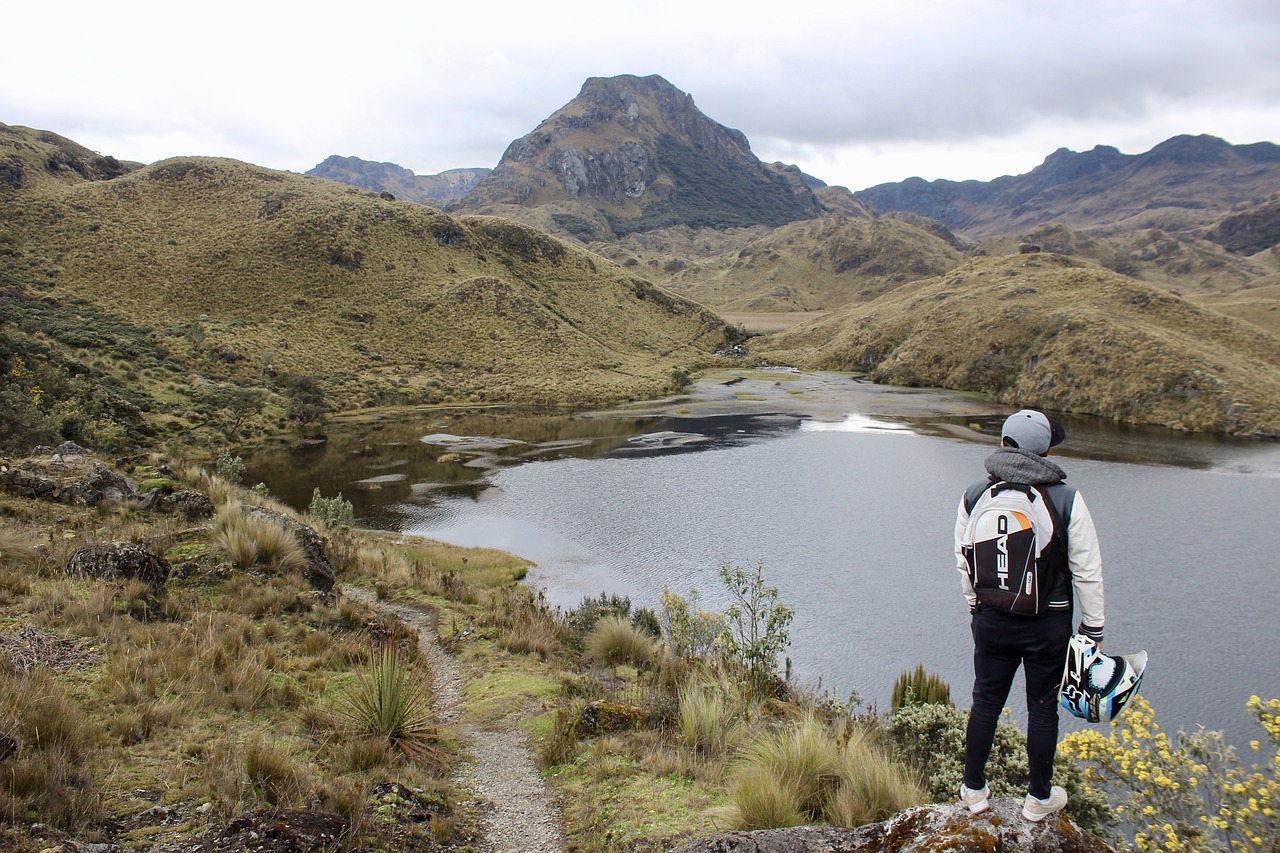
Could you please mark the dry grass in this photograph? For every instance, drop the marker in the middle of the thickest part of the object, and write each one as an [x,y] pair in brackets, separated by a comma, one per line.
[806,771]
[1056,333]
[614,640]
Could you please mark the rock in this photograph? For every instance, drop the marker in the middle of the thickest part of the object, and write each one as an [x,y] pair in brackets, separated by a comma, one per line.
[282,831]
[55,479]
[602,716]
[927,828]
[187,503]
[319,571]
[112,561]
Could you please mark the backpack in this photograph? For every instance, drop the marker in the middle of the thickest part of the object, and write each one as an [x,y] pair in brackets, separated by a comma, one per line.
[1016,547]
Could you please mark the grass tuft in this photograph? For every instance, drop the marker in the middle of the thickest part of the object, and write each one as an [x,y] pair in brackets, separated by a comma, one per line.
[616,640]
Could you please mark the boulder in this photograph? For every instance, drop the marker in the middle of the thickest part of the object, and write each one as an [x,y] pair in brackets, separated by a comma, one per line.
[187,503]
[927,828]
[603,717]
[111,561]
[319,571]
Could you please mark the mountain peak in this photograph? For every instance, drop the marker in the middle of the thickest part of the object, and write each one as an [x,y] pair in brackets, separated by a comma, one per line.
[637,152]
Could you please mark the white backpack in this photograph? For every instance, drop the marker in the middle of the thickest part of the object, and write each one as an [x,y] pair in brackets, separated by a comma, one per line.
[1015,547]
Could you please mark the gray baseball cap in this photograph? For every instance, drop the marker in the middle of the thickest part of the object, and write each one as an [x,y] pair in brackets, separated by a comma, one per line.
[1032,431]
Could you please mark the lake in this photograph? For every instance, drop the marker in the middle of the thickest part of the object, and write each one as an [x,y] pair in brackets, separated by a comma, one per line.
[845,493]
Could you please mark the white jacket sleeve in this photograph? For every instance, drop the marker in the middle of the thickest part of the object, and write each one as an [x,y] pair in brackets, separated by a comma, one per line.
[1085,559]
[962,566]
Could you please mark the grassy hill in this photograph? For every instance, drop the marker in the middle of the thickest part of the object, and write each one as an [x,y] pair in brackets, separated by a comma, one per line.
[246,276]
[1051,331]
[812,265]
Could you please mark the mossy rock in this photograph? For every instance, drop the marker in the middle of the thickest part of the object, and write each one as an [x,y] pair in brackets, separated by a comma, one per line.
[603,717]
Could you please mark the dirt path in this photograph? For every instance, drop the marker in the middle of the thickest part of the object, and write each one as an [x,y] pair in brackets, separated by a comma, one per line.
[520,815]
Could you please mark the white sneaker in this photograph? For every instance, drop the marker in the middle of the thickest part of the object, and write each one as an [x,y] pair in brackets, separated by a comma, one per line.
[1036,809]
[976,801]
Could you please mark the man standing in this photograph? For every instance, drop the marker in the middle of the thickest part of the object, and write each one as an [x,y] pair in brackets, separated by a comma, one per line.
[1003,640]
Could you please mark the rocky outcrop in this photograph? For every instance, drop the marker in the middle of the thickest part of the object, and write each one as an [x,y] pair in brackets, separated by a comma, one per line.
[638,150]
[113,561]
[61,479]
[920,830]
[319,571]
[431,190]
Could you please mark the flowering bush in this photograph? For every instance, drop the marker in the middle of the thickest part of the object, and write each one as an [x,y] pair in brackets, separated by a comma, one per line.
[1188,793]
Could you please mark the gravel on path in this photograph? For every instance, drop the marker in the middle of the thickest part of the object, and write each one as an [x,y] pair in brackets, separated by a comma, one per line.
[520,815]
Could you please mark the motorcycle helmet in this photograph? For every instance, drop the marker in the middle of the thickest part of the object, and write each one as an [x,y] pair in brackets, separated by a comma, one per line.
[1096,687]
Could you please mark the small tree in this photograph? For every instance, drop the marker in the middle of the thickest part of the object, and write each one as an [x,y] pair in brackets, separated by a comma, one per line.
[757,624]
[307,402]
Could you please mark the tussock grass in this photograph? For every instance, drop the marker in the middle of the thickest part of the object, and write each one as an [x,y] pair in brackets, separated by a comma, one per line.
[527,623]
[805,772]
[615,640]
[274,774]
[19,549]
[713,714]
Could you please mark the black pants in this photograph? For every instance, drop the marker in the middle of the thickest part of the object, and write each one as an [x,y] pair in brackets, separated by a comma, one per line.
[1002,641]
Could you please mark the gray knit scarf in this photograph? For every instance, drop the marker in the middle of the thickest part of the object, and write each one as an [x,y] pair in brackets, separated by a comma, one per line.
[1014,465]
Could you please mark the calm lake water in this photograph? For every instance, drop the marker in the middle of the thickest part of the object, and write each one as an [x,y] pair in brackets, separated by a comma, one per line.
[846,494]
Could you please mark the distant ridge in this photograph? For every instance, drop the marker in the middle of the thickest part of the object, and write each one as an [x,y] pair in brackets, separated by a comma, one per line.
[634,154]
[1185,182]
[432,190]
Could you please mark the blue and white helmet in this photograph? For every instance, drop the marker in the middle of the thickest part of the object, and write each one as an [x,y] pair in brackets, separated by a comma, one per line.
[1096,687]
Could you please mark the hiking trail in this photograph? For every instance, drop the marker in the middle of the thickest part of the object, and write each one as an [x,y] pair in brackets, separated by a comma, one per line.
[519,813]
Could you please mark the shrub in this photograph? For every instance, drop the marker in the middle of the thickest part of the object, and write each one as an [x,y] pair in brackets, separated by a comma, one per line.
[692,632]
[614,639]
[584,617]
[1189,792]
[757,625]
[333,512]
[229,467]
[918,688]
[930,738]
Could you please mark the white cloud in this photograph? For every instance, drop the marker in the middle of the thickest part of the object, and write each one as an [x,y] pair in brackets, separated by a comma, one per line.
[854,92]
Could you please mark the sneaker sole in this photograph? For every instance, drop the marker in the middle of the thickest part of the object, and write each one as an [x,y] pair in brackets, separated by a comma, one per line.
[1036,818]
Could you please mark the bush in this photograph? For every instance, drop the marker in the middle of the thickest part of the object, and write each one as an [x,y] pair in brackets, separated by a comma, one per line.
[693,633]
[229,468]
[757,625]
[333,512]
[1189,792]
[930,738]
[584,617]
[919,688]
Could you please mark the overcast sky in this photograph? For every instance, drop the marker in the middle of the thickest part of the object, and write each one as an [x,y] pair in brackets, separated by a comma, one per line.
[855,92]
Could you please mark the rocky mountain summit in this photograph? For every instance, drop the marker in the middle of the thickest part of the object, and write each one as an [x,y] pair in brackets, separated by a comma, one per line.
[431,190]
[634,153]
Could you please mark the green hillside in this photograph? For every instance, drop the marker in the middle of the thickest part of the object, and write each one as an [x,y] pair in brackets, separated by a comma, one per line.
[1050,331]
[250,277]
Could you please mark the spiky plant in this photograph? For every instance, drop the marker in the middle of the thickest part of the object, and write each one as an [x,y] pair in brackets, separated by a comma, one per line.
[391,701]
[920,688]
